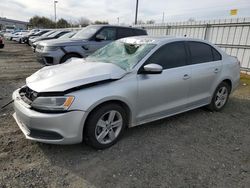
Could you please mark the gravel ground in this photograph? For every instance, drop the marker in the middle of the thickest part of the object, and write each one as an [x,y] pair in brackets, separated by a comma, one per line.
[193,149]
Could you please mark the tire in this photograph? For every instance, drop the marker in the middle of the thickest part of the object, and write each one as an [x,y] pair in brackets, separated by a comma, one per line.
[220,97]
[99,132]
[68,56]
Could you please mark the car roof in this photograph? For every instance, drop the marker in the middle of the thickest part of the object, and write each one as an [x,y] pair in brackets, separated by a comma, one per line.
[118,26]
[162,39]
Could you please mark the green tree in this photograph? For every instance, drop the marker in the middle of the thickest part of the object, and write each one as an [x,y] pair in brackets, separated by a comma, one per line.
[41,22]
[62,23]
[150,22]
[101,22]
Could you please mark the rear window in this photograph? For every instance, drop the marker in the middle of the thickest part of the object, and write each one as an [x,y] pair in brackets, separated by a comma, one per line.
[216,55]
[128,32]
[140,32]
[202,52]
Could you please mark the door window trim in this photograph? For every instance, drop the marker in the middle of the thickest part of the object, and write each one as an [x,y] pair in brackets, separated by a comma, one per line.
[211,48]
[140,70]
[106,28]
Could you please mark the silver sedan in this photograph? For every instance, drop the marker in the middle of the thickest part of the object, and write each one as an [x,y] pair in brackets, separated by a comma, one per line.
[127,83]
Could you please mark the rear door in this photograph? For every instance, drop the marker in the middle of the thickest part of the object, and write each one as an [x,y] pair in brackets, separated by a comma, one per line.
[206,65]
[164,94]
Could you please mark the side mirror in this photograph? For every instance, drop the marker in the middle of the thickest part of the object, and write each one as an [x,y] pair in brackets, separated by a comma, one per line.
[100,37]
[152,69]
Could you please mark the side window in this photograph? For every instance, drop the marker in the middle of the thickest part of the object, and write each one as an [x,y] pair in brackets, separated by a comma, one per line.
[140,32]
[125,32]
[200,52]
[108,33]
[216,55]
[169,56]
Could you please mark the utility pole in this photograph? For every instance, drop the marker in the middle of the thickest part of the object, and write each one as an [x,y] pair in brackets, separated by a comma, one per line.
[163,17]
[118,20]
[55,10]
[136,11]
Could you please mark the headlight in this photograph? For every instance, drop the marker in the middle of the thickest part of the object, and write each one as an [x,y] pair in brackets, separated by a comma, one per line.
[60,103]
[51,48]
[39,47]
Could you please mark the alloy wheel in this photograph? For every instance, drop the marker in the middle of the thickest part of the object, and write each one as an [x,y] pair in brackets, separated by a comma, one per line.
[221,97]
[108,127]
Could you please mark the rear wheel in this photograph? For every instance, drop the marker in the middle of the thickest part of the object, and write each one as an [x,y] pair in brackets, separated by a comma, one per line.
[105,126]
[220,97]
[68,56]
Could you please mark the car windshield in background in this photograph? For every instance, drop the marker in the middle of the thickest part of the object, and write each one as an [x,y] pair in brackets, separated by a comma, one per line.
[48,33]
[86,33]
[125,55]
[68,35]
[38,32]
[54,34]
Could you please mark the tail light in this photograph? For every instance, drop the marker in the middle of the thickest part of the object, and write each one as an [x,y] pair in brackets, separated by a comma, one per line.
[237,60]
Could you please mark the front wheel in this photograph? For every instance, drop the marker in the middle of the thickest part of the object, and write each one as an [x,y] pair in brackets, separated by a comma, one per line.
[220,97]
[105,126]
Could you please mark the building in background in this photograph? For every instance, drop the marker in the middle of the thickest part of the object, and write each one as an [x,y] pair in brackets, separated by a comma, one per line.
[9,24]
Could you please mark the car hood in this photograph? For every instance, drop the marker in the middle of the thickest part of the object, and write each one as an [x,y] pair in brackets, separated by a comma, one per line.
[75,72]
[64,42]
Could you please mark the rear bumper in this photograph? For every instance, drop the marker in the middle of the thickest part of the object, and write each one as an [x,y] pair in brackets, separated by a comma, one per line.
[52,128]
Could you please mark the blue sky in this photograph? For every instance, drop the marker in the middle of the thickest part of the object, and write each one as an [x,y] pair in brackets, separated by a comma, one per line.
[109,10]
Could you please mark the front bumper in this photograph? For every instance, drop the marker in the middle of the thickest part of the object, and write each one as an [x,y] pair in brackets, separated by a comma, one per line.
[49,57]
[52,128]
[15,39]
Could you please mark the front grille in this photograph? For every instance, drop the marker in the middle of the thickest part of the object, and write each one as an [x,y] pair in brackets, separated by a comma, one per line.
[42,134]
[28,95]
[49,60]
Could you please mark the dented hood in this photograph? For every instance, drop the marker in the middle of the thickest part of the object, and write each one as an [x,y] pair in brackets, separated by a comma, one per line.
[76,72]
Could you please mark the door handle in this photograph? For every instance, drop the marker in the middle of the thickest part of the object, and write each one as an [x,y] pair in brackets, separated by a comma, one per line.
[216,70]
[186,76]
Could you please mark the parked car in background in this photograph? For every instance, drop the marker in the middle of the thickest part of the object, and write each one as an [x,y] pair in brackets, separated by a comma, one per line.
[83,43]
[34,38]
[9,35]
[17,37]
[2,33]
[54,35]
[1,42]
[128,82]
[36,34]
[31,32]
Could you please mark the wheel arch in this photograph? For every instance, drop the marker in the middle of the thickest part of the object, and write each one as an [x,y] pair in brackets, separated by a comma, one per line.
[70,53]
[120,102]
[229,82]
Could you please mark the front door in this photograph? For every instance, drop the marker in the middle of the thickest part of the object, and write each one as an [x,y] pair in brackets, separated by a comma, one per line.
[163,94]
